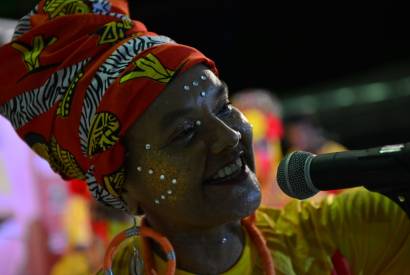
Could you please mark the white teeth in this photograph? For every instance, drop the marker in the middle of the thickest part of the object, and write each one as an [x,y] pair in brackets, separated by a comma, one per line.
[233,168]
[239,162]
[229,169]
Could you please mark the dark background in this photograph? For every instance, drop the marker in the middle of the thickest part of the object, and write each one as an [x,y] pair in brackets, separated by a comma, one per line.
[293,49]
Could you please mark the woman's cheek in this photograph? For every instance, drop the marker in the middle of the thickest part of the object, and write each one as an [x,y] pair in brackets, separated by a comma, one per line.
[165,175]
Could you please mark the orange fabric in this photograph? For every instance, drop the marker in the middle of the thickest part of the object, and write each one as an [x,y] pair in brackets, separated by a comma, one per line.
[78,74]
[260,243]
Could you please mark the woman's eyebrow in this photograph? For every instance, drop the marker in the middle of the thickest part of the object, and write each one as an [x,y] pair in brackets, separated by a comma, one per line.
[169,118]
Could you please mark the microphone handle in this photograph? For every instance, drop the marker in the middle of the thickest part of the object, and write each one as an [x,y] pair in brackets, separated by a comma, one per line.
[375,167]
[381,169]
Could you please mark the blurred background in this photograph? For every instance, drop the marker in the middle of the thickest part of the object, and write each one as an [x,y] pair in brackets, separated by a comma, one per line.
[309,77]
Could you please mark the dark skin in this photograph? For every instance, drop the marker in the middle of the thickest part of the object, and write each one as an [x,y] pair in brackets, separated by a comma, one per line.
[192,137]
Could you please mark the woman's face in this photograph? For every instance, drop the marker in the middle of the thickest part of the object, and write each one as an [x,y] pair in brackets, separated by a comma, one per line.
[190,160]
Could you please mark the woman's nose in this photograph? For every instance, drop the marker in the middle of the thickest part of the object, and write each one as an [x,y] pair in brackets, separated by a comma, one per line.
[225,137]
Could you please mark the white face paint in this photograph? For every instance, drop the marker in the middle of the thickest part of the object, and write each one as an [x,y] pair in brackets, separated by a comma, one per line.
[191,155]
[169,191]
[196,83]
[172,183]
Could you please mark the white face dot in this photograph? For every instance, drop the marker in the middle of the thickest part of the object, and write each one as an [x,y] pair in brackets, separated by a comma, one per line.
[186,88]
[157,201]
[150,171]
[139,168]
[174,181]
[203,77]
[147,146]
[162,177]
[195,83]
[169,192]
[163,197]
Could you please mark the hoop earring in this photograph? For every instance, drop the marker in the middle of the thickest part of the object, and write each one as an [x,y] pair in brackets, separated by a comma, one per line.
[144,232]
[136,264]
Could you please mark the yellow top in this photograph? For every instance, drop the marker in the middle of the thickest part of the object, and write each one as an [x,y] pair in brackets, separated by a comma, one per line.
[369,230]
[76,220]
[245,264]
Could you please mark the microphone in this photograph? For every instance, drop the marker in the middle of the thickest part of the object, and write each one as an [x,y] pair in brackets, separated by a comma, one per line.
[383,169]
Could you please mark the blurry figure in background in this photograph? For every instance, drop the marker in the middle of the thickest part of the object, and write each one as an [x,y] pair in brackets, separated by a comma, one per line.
[264,112]
[77,225]
[11,249]
[89,228]
[303,132]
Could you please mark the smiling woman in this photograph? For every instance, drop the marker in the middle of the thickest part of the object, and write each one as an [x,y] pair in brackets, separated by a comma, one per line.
[148,124]
[202,148]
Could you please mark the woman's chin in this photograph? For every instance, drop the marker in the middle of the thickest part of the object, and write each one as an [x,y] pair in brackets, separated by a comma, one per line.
[249,205]
[240,206]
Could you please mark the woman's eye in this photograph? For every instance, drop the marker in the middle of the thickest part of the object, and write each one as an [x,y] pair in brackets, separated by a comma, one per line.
[187,133]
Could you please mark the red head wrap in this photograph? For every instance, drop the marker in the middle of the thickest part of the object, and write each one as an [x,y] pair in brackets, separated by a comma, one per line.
[76,76]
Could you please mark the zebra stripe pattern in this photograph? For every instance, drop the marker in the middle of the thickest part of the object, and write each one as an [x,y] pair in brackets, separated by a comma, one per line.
[25,107]
[24,24]
[100,6]
[109,72]
[101,194]
[103,7]
[116,15]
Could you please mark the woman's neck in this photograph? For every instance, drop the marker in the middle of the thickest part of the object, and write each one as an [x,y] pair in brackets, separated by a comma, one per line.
[206,251]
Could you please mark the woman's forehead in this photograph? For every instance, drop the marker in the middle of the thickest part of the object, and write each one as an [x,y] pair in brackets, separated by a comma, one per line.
[193,75]
[181,94]
[185,88]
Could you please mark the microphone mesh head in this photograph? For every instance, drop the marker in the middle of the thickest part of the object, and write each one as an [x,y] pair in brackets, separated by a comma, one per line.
[291,175]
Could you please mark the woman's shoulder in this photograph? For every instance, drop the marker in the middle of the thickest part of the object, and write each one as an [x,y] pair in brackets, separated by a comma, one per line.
[303,235]
[353,204]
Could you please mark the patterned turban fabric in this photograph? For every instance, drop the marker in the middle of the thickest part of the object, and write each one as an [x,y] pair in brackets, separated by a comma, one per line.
[76,75]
